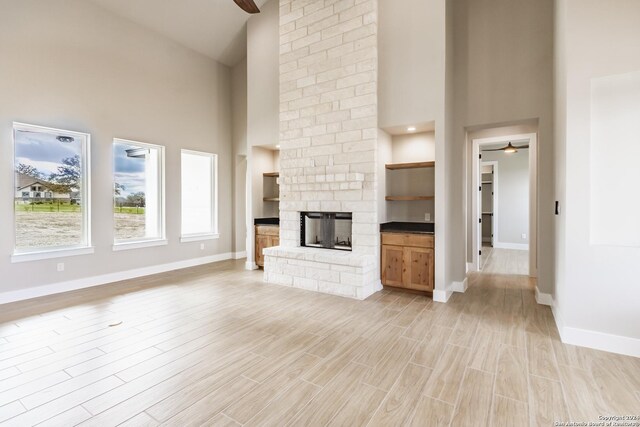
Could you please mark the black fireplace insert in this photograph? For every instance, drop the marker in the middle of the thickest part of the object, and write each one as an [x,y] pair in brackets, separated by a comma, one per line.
[326,230]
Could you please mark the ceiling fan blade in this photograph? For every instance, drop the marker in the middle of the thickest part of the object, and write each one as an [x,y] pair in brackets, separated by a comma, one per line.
[248,6]
[494,149]
[521,146]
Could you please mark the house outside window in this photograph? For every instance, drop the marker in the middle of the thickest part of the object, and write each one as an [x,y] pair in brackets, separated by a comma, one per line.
[50,165]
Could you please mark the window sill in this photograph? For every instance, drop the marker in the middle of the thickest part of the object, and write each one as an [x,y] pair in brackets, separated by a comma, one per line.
[50,254]
[199,237]
[125,246]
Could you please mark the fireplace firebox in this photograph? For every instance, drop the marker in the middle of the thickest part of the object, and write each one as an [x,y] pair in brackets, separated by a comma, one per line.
[326,230]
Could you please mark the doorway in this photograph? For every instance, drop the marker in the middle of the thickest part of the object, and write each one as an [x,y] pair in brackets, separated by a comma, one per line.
[504,175]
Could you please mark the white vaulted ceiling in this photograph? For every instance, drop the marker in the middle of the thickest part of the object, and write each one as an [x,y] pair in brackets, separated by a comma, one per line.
[214,28]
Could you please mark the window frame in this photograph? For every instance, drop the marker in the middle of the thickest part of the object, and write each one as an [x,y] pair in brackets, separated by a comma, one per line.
[213,179]
[161,239]
[47,252]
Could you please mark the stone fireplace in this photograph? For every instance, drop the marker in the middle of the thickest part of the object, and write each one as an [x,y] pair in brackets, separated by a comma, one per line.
[328,145]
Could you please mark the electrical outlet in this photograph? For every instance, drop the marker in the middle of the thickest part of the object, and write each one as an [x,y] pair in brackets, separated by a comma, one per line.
[427,216]
[524,236]
[202,246]
[60,266]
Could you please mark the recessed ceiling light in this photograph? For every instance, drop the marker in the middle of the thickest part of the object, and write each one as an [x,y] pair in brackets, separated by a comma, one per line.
[411,129]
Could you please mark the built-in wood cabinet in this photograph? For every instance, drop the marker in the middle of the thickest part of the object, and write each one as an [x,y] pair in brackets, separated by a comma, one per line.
[407,261]
[266,237]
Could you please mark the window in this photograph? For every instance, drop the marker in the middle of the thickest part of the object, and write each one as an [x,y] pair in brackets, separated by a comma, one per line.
[51,192]
[138,194]
[199,196]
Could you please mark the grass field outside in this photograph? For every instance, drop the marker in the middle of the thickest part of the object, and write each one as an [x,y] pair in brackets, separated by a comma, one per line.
[66,207]
[51,225]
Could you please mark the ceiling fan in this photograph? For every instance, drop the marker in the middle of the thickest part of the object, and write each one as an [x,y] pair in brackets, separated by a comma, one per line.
[509,148]
[248,6]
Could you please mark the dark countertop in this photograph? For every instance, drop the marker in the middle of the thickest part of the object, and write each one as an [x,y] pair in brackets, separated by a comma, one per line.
[408,227]
[266,221]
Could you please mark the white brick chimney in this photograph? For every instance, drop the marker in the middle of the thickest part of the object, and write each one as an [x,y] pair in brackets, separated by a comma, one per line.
[328,140]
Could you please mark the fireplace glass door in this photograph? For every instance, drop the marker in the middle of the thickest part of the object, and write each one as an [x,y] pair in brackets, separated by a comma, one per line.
[327,230]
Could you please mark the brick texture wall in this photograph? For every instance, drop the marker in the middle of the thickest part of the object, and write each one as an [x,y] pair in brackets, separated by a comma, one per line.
[328,114]
[328,141]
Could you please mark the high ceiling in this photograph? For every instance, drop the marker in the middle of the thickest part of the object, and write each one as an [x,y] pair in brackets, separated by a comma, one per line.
[211,27]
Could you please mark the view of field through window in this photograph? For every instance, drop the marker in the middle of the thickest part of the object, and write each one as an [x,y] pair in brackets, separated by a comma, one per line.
[136,191]
[48,189]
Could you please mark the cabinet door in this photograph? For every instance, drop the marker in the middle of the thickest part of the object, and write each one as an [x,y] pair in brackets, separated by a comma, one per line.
[392,273]
[274,241]
[261,243]
[418,268]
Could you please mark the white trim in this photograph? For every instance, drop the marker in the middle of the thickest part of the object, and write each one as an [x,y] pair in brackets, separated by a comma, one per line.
[516,246]
[543,299]
[533,196]
[85,188]
[87,282]
[50,254]
[601,341]
[124,246]
[240,255]
[459,286]
[250,265]
[162,211]
[592,339]
[199,237]
[471,267]
[441,296]
[213,182]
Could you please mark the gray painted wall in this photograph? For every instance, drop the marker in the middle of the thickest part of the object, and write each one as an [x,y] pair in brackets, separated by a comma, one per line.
[239,128]
[503,75]
[70,64]
[513,195]
[597,285]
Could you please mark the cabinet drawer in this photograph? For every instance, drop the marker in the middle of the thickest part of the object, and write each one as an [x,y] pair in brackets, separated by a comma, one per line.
[408,239]
[267,230]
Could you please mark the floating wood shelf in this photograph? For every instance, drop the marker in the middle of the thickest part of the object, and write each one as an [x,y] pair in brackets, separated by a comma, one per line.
[487,213]
[415,165]
[487,182]
[271,199]
[271,174]
[407,198]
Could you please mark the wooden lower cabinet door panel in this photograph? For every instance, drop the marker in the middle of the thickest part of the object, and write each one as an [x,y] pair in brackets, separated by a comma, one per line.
[418,268]
[275,241]
[392,265]
[261,243]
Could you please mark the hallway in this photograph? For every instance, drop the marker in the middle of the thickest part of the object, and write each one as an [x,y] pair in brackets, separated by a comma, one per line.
[504,261]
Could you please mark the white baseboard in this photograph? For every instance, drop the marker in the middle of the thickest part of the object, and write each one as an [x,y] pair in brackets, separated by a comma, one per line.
[517,246]
[543,299]
[459,286]
[594,339]
[240,255]
[441,296]
[250,265]
[88,282]
[601,341]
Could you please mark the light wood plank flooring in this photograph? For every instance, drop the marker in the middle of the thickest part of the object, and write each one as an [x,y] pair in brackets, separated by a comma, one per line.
[504,261]
[213,345]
